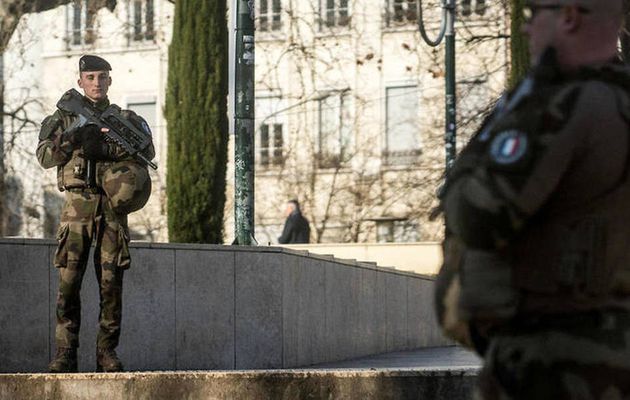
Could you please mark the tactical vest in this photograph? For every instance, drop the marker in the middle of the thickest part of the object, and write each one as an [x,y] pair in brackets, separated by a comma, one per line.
[572,255]
[126,182]
[575,255]
[78,172]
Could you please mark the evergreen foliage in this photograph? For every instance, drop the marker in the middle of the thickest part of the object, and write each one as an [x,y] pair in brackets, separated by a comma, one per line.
[197,121]
[518,43]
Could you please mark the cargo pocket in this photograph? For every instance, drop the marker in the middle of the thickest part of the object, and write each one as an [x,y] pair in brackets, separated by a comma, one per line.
[61,254]
[124,259]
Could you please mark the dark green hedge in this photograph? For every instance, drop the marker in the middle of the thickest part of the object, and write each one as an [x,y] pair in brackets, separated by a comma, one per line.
[518,43]
[196,114]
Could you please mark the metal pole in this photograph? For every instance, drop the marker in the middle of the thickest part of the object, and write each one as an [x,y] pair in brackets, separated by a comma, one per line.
[447,32]
[450,134]
[244,123]
[3,193]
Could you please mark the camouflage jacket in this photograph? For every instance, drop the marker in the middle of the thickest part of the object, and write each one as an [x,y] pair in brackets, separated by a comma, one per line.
[76,167]
[536,205]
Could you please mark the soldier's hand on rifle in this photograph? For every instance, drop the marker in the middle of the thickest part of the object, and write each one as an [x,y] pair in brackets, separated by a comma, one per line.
[73,136]
[75,133]
[94,145]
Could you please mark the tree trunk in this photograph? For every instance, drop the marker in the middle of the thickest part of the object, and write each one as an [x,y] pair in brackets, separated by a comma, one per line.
[196,114]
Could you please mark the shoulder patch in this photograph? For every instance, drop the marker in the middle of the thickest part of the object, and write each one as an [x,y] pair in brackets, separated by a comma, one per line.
[509,147]
[139,122]
[146,127]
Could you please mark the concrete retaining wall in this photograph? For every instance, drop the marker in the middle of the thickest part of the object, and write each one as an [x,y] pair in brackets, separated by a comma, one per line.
[203,307]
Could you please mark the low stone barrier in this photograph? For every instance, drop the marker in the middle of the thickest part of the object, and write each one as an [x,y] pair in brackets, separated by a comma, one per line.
[207,307]
[453,384]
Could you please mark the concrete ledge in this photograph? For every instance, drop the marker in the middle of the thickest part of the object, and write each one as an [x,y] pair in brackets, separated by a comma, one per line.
[451,384]
[294,250]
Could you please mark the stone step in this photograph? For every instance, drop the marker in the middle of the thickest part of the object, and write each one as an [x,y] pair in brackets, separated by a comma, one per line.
[451,384]
[436,374]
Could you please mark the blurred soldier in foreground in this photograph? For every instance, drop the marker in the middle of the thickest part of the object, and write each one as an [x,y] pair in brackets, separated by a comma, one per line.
[536,273]
[102,185]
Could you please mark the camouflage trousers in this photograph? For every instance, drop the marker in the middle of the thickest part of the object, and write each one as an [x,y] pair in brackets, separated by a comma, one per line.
[584,356]
[88,217]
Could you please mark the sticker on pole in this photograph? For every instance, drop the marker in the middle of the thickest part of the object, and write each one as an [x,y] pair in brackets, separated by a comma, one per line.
[508,147]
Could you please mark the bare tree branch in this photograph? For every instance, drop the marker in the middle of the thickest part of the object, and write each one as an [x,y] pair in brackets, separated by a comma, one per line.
[12,10]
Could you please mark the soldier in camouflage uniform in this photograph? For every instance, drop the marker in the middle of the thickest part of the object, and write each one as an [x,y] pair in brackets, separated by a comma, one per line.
[92,173]
[536,273]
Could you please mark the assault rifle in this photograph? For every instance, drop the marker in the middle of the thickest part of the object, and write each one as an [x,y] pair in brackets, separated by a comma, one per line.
[121,131]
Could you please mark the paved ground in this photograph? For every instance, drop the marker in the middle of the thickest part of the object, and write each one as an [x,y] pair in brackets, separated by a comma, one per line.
[435,358]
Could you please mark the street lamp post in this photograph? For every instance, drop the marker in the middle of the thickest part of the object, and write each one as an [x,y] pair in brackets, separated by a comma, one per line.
[244,128]
[447,32]
[3,193]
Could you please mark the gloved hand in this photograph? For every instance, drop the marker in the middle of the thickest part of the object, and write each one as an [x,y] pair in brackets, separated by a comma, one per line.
[94,145]
[73,136]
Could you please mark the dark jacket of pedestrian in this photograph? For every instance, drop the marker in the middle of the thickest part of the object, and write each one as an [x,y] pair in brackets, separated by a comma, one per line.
[296,229]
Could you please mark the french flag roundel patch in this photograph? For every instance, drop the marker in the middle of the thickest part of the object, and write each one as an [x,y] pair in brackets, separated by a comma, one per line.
[508,147]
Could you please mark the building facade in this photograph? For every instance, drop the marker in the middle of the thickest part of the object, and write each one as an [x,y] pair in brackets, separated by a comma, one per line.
[41,63]
[349,108]
[350,112]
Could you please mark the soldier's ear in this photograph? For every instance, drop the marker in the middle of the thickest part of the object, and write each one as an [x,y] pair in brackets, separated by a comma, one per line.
[570,19]
[80,83]
[109,81]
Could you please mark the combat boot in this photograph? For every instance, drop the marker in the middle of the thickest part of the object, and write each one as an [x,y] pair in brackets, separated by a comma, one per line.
[107,361]
[65,360]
